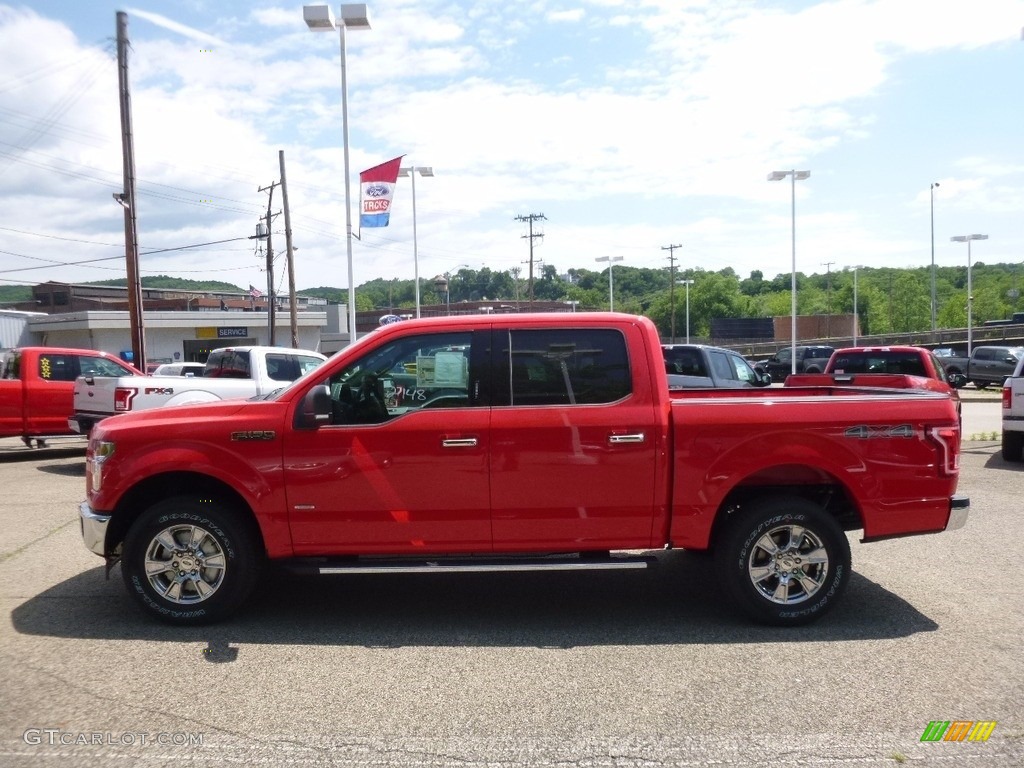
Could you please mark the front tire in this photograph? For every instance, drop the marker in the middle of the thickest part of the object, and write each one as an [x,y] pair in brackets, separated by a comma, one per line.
[1013,445]
[783,560]
[189,561]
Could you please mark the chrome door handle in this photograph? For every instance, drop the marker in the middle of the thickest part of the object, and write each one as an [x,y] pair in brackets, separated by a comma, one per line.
[637,438]
[459,442]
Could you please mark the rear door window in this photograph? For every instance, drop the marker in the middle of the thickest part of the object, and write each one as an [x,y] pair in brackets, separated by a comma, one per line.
[561,366]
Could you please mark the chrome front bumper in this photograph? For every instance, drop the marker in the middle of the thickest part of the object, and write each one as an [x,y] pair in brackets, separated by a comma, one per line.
[94,529]
[959,506]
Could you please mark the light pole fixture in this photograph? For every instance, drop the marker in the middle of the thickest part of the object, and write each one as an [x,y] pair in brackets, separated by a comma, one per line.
[611,283]
[320,19]
[931,192]
[687,283]
[411,171]
[794,176]
[970,293]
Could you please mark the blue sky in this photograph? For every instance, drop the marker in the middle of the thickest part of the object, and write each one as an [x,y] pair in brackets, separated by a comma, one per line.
[630,124]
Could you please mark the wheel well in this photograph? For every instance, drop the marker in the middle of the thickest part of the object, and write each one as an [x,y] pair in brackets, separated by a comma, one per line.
[831,496]
[163,486]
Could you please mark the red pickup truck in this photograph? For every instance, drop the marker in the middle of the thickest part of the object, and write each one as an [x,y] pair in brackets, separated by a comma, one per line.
[900,367]
[37,388]
[515,442]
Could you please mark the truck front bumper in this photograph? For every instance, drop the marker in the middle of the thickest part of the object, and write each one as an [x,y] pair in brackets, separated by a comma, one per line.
[959,506]
[94,529]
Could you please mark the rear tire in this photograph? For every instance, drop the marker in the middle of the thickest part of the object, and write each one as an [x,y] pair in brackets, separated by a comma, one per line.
[189,561]
[1013,445]
[783,560]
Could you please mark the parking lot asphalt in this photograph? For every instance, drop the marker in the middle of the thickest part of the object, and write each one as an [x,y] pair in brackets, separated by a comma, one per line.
[594,669]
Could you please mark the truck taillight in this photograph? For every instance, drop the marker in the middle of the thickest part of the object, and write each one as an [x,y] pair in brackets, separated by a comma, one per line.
[1007,395]
[948,441]
[123,397]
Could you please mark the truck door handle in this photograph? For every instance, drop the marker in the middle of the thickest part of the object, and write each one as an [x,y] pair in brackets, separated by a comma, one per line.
[616,439]
[459,442]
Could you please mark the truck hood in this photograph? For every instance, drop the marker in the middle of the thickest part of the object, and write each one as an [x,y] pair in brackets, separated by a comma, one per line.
[180,413]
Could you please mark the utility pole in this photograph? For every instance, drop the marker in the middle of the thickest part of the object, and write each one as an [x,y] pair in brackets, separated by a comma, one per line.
[127,200]
[271,313]
[672,283]
[828,298]
[293,318]
[530,218]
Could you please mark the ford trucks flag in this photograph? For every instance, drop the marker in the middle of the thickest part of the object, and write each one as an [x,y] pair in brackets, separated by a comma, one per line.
[376,188]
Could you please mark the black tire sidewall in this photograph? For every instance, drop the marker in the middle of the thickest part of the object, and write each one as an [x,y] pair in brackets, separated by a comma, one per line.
[749,526]
[233,538]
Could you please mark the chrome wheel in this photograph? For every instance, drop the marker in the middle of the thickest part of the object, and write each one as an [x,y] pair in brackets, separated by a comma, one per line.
[788,564]
[185,564]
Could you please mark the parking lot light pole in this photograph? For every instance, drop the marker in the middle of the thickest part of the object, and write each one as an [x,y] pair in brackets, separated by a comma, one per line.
[411,171]
[320,19]
[687,283]
[794,176]
[611,282]
[932,209]
[970,293]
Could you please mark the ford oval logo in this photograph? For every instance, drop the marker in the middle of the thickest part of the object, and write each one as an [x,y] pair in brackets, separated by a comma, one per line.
[378,189]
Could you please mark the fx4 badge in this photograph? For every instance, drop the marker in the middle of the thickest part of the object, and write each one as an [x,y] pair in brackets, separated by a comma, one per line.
[256,434]
[885,431]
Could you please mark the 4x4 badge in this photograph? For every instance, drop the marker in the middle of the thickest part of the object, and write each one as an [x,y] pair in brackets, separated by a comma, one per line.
[864,432]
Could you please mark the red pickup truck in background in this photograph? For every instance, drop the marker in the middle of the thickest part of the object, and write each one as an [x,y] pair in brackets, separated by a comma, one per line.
[37,388]
[891,367]
[515,442]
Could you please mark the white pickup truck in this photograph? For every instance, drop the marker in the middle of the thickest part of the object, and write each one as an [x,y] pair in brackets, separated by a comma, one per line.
[1013,414]
[230,373]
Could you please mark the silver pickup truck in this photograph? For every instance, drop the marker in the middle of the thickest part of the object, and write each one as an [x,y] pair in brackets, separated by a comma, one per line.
[230,373]
[699,366]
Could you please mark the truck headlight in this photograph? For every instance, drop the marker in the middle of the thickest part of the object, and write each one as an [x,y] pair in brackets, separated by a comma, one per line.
[100,451]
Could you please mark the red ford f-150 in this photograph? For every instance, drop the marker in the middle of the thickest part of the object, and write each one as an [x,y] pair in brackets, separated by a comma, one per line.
[515,442]
[37,388]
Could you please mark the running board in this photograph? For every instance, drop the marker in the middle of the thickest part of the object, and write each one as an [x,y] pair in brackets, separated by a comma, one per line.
[440,566]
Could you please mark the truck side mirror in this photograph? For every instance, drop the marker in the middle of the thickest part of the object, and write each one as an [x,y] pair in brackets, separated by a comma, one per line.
[764,379]
[315,408]
[956,380]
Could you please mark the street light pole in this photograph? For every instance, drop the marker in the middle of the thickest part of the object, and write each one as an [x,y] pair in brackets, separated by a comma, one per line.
[411,171]
[932,209]
[687,283]
[611,283]
[794,176]
[855,318]
[970,292]
[319,19]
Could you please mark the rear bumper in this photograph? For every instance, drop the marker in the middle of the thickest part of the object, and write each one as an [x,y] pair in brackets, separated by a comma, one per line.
[94,529]
[959,506]
[83,423]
